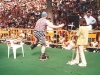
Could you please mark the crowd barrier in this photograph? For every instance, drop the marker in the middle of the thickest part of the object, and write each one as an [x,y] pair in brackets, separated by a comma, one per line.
[54,37]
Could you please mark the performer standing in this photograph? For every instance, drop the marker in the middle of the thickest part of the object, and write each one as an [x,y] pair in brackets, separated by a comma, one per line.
[39,33]
[82,40]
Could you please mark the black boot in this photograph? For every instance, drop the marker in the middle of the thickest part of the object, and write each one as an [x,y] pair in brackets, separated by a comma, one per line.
[43,56]
[33,46]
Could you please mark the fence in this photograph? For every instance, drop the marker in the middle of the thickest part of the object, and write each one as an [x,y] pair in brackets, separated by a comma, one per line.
[54,37]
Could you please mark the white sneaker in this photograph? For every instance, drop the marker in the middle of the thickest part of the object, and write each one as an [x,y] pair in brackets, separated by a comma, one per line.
[82,65]
[73,62]
[94,51]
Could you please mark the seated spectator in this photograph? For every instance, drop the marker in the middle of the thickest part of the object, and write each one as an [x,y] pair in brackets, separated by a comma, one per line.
[93,46]
[94,43]
[22,34]
[61,39]
[69,45]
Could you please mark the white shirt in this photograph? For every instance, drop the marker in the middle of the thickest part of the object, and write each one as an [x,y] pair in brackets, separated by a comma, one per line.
[84,0]
[94,44]
[90,20]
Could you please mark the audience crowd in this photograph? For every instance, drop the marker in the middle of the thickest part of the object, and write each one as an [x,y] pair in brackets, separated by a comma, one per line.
[25,13]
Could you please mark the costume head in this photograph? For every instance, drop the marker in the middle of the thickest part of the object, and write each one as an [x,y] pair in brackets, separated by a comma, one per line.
[44,14]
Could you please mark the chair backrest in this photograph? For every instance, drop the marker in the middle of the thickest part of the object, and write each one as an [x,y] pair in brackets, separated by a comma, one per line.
[10,42]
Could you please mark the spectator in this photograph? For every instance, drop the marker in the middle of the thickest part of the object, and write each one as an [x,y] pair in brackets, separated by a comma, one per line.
[89,20]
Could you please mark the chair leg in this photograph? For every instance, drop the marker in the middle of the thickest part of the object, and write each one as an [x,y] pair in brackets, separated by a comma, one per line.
[14,52]
[23,51]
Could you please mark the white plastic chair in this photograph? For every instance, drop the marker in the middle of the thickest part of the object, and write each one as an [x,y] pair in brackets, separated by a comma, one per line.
[14,47]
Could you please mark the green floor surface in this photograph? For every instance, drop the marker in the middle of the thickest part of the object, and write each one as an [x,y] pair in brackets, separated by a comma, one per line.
[56,65]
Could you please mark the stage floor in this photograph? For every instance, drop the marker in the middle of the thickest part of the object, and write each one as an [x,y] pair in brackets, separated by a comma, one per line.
[56,65]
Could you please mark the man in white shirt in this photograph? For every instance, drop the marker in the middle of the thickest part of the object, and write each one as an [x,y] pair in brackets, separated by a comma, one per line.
[90,20]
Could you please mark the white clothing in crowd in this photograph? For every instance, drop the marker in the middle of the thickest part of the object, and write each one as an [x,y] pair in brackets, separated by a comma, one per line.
[90,21]
[98,18]
[70,46]
[94,44]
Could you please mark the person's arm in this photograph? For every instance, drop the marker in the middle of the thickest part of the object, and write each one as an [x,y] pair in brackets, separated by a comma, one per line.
[78,32]
[50,24]
[93,20]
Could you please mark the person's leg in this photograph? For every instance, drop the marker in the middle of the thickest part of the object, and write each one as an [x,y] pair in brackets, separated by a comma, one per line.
[82,56]
[37,35]
[33,45]
[76,60]
[43,56]
[77,55]
[43,48]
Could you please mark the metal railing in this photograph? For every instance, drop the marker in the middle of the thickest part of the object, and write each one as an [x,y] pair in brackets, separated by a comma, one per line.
[54,37]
